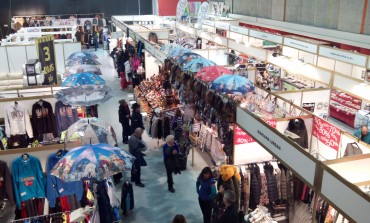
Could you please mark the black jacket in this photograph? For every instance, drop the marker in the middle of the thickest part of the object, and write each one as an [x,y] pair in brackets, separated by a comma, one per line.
[136,121]
[6,186]
[230,215]
[127,190]
[43,119]
[123,112]
[298,127]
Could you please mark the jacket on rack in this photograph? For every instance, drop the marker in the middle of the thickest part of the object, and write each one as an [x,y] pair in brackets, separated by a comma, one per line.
[28,179]
[65,116]
[298,127]
[17,120]
[43,119]
[271,183]
[105,209]
[6,186]
[55,187]
[127,190]
[166,126]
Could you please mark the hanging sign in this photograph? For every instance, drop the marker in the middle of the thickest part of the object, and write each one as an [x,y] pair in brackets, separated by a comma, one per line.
[208,23]
[64,22]
[294,157]
[297,44]
[45,50]
[344,56]
[181,5]
[266,36]
[222,25]
[202,13]
[241,137]
[326,133]
[239,29]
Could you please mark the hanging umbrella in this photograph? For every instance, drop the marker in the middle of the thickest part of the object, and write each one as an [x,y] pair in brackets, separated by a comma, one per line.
[83,79]
[84,95]
[210,73]
[91,131]
[232,84]
[81,60]
[186,57]
[178,51]
[98,161]
[196,64]
[82,54]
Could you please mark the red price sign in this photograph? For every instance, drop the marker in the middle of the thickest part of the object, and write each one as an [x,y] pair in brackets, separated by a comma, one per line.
[241,137]
[326,133]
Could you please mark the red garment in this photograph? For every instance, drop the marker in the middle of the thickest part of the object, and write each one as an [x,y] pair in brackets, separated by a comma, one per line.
[123,80]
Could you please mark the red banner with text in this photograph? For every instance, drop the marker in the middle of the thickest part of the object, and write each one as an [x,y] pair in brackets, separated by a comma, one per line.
[326,133]
[241,137]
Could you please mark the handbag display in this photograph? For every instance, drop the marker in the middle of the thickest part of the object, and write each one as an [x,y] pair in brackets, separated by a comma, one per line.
[352,149]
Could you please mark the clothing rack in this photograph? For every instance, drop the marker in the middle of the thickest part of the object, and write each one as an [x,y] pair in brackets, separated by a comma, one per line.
[39,216]
[259,162]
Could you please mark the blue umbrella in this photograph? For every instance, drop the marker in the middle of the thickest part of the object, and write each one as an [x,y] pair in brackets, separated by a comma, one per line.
[177,51]
[197,64]
[232,84]
[186,57]
[82,60]
[83,79]
[82,54]
[98,161]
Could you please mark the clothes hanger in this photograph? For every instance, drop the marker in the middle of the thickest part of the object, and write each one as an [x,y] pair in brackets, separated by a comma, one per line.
[25,156]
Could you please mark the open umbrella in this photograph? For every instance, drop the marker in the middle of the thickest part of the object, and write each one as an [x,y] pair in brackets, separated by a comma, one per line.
[186,57]
[177,51]
[82,54]
[169,47]
[83,79]
[98,161]
[84,95]
[92,69]
[81,60]
[210,73]
[196,64]
[91,131]
[232,84]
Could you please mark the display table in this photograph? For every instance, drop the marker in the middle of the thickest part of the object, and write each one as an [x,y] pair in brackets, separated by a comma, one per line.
[343,116]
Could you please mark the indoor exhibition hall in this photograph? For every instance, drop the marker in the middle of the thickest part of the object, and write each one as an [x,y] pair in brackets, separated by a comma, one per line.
[185,111]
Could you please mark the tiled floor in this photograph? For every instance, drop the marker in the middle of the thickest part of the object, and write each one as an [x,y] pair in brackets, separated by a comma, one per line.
[153,203]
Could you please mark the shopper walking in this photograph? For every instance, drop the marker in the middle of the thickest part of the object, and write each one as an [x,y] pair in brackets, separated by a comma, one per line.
[171,162]
[136,118]
[96,40]
[177,123]
[179,218]
[136,147]
[124,119]
[206,190]
[231,213]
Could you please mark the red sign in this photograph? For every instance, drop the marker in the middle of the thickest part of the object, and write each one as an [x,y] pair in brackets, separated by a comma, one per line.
[326,133]
[241,137]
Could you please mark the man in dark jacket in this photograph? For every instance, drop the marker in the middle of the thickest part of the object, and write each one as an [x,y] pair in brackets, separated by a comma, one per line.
[136,147]
[124,119]
[136,118]
[231,213]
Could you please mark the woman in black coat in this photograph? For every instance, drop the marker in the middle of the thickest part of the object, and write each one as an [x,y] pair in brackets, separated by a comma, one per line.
[136,118]
[124,119]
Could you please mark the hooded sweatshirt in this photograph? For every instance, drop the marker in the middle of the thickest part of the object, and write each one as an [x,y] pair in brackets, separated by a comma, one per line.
[56,187]
[6,186]
[17,120]
[28,179]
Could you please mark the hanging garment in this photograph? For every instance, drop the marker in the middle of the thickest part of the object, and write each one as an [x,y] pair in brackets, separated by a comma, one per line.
[127,193]
[42,119]
[17,120]
[55,187]
[6,186]
[166,126]
[28,179]
[271,183]
[298,127]
[105,209]
[65,116]
[114,200]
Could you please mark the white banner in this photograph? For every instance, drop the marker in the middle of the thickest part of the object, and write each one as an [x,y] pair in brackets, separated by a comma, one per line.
[297,44]
[64,22]
[266,36]
[202,13]
[239,29]
[347,57]
[209,23]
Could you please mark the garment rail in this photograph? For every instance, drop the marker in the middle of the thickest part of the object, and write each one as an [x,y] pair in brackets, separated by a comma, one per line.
[39,216]
[259,162]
